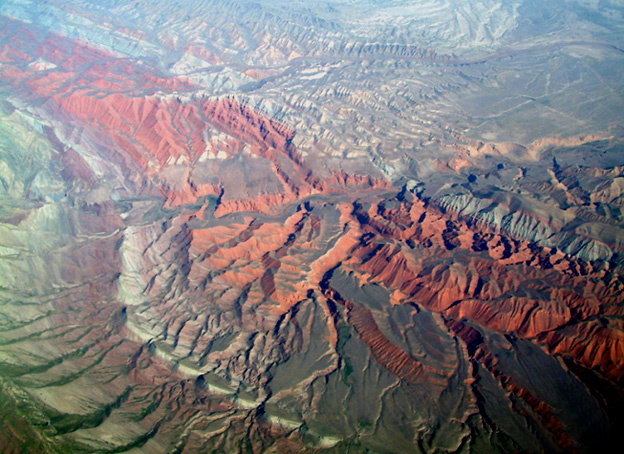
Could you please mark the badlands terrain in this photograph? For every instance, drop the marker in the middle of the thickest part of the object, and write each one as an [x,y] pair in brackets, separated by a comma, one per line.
[337,227]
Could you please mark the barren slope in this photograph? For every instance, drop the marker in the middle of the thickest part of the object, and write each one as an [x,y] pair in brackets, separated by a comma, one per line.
[266,228]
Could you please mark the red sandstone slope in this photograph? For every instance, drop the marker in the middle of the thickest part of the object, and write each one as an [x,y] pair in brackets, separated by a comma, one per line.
[246,297]
[486,291]
[161,132]
[532,293]
[427,258]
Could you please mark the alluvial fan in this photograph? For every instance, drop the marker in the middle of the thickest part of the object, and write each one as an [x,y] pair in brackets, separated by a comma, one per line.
[278,227]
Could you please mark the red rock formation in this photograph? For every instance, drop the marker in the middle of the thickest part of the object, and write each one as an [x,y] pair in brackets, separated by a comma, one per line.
[484,290]
[595,343]
[243,278]
[97,90]
[397,361]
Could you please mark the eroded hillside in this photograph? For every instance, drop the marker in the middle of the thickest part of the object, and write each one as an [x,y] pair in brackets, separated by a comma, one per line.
[252,231]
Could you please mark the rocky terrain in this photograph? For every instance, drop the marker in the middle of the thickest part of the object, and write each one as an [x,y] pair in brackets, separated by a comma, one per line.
[278,227]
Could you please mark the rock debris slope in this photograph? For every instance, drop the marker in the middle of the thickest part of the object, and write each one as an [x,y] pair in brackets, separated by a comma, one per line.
[274,227]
